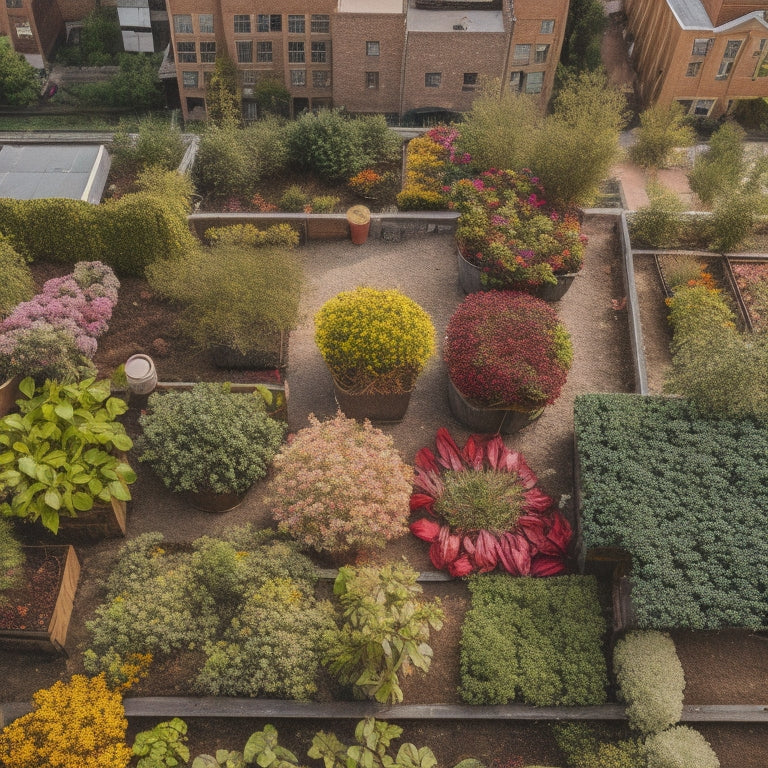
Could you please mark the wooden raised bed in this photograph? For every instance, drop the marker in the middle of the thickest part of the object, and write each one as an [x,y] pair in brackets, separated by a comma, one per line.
[744,306]
[101,522]
[9,393]
[52,639]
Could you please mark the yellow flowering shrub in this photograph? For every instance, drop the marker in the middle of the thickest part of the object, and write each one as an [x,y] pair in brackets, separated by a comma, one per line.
[79,724]
[424,175]
[374,340]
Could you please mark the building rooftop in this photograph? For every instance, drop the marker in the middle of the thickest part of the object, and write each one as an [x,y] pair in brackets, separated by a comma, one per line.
[692,15]
[77,172]
[423,20]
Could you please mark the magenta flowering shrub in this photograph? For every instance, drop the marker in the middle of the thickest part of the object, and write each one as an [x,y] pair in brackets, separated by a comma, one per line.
[507,229]
[340,485]
[75,308]
[445,136]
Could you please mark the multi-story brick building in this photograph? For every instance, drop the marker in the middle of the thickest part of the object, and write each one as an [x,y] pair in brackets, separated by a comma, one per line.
[388,56]
[702,53]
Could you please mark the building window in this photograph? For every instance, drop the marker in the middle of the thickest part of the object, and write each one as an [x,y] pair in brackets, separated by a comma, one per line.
[540,54]
[319,53]
[242,24]
[702,107]
[320,24]
[205,21]
[516,81]
[470,81]
[270,22]
[693,69]
[249,76]
[726,65]
[433,79]
[186,53]
[321,79]
[296,52]
[701,46]
[295,24]
[547,27]
[372,48]
[250,110]
[264,52]
[23,29]
[189,79]
[244,51]
[298,77]
[522,54]
[534,82]
[182,22]
[13,3]
[372,80]
[207,52]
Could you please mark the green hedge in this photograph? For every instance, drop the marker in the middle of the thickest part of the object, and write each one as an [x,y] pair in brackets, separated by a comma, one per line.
[585,746]
[680,747]
[687,497]
[650,679]
[534,640]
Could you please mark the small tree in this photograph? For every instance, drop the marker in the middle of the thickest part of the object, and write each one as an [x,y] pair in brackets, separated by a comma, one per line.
[222,99]
[19,83]
[100,39]
[662,129]
[272,97]
[658,224]
[720,170]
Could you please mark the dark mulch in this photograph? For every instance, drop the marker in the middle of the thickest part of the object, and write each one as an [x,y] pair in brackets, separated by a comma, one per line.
[30,605]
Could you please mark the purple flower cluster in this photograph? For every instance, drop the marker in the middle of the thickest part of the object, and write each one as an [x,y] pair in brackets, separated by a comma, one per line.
[79,304]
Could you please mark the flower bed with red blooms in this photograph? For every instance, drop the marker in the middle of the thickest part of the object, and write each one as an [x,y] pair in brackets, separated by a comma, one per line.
[506,349]
[532,539]
[507,229]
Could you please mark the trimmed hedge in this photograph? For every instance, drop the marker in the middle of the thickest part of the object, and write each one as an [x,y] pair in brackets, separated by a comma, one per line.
[650,678]
[687,497]
[680,747]
[585,746]
[535,640]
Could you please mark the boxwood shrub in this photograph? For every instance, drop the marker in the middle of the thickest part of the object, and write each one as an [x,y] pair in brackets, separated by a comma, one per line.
[533,640]
[687,497]
[586,746]
[650,679]
[680,747]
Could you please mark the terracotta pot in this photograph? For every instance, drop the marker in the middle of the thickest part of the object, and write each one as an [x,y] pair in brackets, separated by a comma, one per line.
[9,394]
[488,420]
[376,407]
[470,280]
[359,220]
[208,501]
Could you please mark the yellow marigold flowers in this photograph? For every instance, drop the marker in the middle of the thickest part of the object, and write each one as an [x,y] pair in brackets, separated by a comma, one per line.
[79,724]
[374,340]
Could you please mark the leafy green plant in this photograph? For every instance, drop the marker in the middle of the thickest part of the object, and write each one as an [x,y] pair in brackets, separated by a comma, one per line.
[17,284]
[294,199]
[248,235]
[324,203]
[209,439]
[374,738]
[19,81]
[720,170]
[584,747]
[661,497]
[59,456]
[163,746]
[262,748]
[680,747]
[385,629]
[650,679]
[732,220]
[158,144]
[658,224]
[535,640]
[224,758]
[662,129]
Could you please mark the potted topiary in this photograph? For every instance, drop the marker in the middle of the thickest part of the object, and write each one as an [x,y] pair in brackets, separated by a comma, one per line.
[508,356]
[509,238]
[240,298]
[209,443]
[375,343]
[62,458]
[340,486]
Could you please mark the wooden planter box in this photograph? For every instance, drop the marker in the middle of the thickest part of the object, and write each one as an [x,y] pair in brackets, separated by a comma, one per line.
[734,286]
[54,638]
[100,522]
[9,394]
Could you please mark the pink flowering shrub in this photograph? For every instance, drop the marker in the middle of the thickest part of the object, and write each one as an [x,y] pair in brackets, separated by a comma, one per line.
[507,229]
[445,136]
[77,307]
[340,485]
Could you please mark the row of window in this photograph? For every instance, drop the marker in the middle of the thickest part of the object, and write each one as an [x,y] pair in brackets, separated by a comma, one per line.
[522,54]
[320,78]
[702,46]
[529,82]
[319,23]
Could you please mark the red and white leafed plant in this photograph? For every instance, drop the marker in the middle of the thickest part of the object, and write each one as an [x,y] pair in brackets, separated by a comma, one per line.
[485,510]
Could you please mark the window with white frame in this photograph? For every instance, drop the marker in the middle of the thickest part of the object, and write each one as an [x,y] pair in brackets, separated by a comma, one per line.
[296,24]
[250,110]
[516,80]
[182,23]
[205,22]
[242,24]
[207,52]
[320,52]
[320,24]
[264,51]
[298,77]
[321,79]
[249,76]
[269,22]
[547,26]
[701,46]
[372,80]
[296,52]
[522,54]
[244,51]
[694,67]
[190,79]
[534,81]
[540,54]
[185,53]
[372,48]
[726,64]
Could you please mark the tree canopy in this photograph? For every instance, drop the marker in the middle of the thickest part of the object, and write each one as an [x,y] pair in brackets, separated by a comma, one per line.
[19,83]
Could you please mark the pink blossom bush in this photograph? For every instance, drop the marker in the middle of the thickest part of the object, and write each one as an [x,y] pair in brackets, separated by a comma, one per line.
[340,485]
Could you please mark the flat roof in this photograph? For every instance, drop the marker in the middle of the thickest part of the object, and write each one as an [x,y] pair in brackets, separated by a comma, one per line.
[456,21]
[692,15]
[77,172]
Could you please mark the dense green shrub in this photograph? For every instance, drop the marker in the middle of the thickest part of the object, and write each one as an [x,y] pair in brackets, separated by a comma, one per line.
[680,747]
[324,203]
[733,219]
[687,497]
[650,679]
[11,558]
[658,224]
[662,129]
[17,284]
[158,143]
[248,235]
[19,81]
[586,748]
[135,86]
[533,640]
[720,170]
[240,598]
[294,199]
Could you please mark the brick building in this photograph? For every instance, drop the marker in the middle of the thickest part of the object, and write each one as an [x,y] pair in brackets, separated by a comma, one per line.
[703,54]
[387,56]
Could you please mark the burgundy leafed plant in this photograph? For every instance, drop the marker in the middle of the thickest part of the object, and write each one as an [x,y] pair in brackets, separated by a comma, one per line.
[486,511]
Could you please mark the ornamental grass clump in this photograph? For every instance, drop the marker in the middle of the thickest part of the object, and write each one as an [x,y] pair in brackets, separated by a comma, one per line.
[209,439]
[507,229]
[374,341]
[340,486]
[506,349]
[78,723]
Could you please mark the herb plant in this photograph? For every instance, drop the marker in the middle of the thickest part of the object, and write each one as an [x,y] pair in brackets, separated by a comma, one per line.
[59,453]
[164,746]
[385,629]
